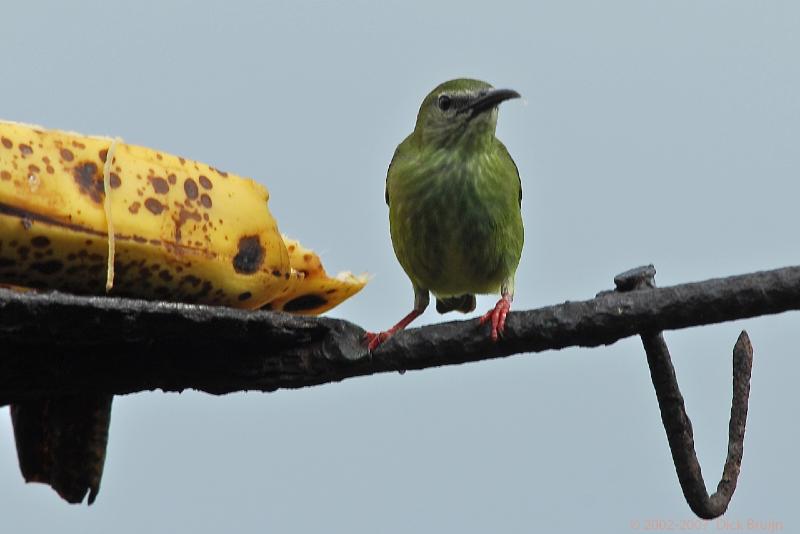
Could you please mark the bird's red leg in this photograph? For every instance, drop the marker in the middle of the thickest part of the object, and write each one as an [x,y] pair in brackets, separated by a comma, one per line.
[376,338]
[497,315]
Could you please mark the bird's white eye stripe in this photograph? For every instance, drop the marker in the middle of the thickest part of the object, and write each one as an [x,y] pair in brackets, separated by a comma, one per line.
[458,99]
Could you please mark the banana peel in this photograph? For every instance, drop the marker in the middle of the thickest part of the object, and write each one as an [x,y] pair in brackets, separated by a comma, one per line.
[182,230]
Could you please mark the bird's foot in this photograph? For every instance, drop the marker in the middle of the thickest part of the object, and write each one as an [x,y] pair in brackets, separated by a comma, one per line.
[497,316]
[374,339]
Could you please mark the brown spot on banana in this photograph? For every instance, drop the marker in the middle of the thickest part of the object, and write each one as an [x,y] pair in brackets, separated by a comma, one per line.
[89,180]
[154,206]
[190,188]
[305,303]
[159,184]
[250,255]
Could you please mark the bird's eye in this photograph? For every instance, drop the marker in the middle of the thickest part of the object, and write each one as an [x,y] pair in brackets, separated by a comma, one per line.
[444,102]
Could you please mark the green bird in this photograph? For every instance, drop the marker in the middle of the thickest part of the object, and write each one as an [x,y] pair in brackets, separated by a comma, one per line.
[454,197]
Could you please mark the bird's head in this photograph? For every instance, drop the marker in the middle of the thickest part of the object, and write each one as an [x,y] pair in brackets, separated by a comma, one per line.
[461,111]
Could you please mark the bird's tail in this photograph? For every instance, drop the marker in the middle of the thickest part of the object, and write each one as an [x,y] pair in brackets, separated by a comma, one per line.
[463,303]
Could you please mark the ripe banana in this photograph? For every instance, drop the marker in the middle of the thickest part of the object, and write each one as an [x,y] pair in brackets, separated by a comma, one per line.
[182,230]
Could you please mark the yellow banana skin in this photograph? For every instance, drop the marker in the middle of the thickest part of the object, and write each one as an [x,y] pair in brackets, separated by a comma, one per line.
[315,292]
[183,230]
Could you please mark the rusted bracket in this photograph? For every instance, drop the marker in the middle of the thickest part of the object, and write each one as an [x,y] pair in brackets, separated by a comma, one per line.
[673,413]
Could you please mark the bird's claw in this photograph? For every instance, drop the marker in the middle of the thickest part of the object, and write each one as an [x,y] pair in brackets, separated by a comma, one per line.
[374,339]
[497,316]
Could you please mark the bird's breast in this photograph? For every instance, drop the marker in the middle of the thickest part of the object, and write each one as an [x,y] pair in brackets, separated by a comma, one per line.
[453,224]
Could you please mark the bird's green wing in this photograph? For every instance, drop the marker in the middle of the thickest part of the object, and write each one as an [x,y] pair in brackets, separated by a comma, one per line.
[388,171]
[402,147]
[386,186]
[516,169]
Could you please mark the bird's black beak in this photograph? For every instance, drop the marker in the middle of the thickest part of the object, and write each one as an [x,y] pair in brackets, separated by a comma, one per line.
[490,99]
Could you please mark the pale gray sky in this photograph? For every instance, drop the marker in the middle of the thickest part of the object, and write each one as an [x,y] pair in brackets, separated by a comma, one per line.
[652,131]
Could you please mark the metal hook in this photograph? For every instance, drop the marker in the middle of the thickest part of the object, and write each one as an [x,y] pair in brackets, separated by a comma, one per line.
[673,412]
